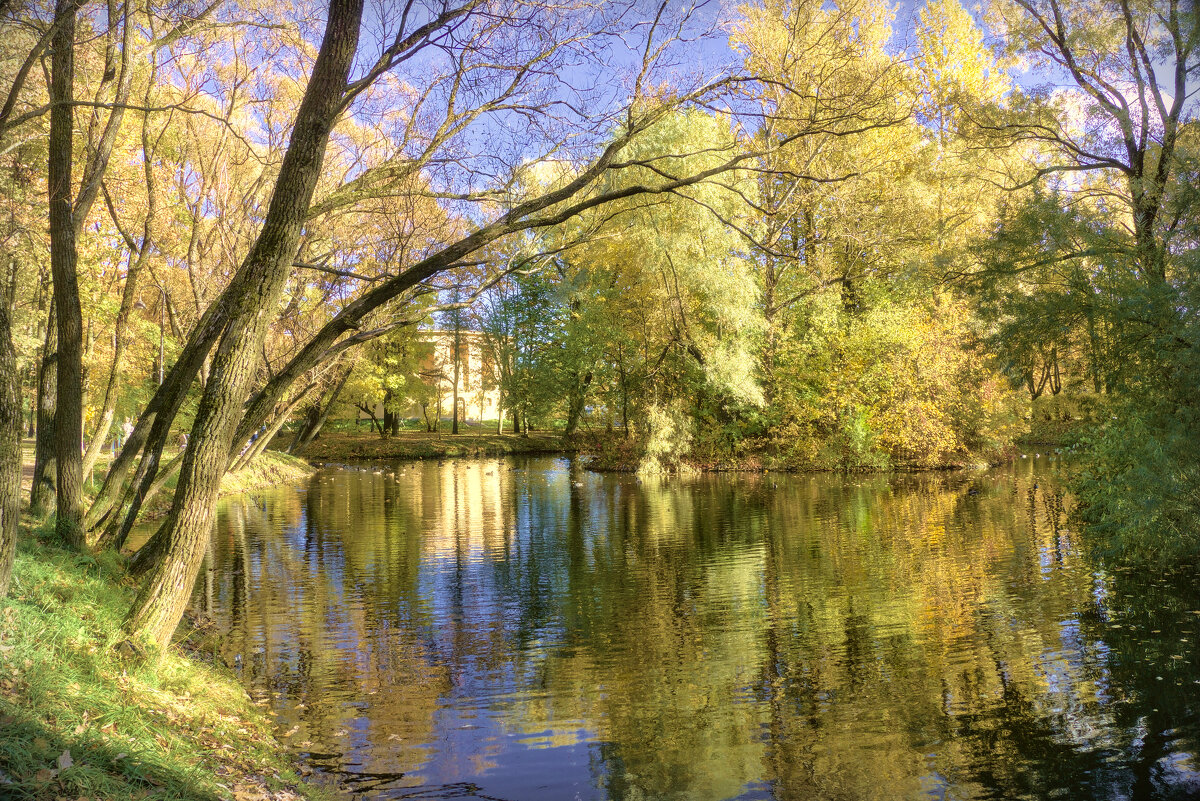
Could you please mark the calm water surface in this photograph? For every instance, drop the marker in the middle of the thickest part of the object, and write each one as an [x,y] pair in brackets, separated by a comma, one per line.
[522,629]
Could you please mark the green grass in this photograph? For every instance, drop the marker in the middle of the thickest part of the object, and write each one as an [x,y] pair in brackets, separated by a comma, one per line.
[269,469]
[80,718]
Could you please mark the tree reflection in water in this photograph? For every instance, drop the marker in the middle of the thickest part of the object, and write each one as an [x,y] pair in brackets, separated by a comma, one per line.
[522,629]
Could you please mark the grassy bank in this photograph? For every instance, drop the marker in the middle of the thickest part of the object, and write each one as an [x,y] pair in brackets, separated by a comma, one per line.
[270,469]
[351,446]
[80,719]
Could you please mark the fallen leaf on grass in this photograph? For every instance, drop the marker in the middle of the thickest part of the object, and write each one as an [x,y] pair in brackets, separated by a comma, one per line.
[65,761]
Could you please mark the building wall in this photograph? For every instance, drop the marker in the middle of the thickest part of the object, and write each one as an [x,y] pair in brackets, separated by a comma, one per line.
[477,391]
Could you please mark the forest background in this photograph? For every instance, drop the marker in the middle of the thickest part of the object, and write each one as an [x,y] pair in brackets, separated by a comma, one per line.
[785,234]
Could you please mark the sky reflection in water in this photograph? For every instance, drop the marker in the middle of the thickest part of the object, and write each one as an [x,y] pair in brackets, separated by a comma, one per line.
[522,629]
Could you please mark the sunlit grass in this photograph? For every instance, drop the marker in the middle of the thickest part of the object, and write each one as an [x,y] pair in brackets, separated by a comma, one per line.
[80,718]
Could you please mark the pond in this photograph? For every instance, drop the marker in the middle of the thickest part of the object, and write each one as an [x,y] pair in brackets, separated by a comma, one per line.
[523,629]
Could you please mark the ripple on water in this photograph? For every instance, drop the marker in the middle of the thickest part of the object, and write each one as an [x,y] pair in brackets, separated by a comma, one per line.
[521,629]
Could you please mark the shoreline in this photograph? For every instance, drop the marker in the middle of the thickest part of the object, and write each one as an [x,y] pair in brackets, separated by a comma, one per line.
[82,719]
[337,447]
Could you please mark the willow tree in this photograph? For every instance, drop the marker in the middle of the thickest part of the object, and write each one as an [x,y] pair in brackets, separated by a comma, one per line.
[258,286]
[1132,67]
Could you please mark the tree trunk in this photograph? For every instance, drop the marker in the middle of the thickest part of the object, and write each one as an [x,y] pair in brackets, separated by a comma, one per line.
[161,602]
[577,400]
[375,424]
[112,388]
[45,469]
[261,444]
[116,504]
[11,418]
[771,334]
[68,422]
[312,429]
[389,417]
[457,337]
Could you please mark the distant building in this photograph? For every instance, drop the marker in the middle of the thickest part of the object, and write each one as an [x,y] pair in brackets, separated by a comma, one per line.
[478,392]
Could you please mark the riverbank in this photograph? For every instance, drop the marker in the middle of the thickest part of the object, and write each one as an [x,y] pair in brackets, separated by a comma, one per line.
[82,720]
[269,469]
[613,454]
[354,447]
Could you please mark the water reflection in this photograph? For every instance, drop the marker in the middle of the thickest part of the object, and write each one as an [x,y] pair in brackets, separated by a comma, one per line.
[522,629]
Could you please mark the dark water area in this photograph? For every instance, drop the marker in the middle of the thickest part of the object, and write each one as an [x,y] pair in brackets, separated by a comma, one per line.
[523,629]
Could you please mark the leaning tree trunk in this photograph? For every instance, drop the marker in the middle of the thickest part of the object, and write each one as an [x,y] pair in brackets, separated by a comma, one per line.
[154,425]
[160,604]
[41,495]
[11,418]
[239,462]
[312,428]
[68,422]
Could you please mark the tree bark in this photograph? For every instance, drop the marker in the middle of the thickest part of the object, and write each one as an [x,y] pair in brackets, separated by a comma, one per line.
[11,418]
[160,604]
[45,469]
[577,400]
[68,422]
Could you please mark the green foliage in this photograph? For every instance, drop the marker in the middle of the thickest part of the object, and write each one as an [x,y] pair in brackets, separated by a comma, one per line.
[1064,291]
[1140,489]
[669,440]
[896,382]
[524,324]
[389,372]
